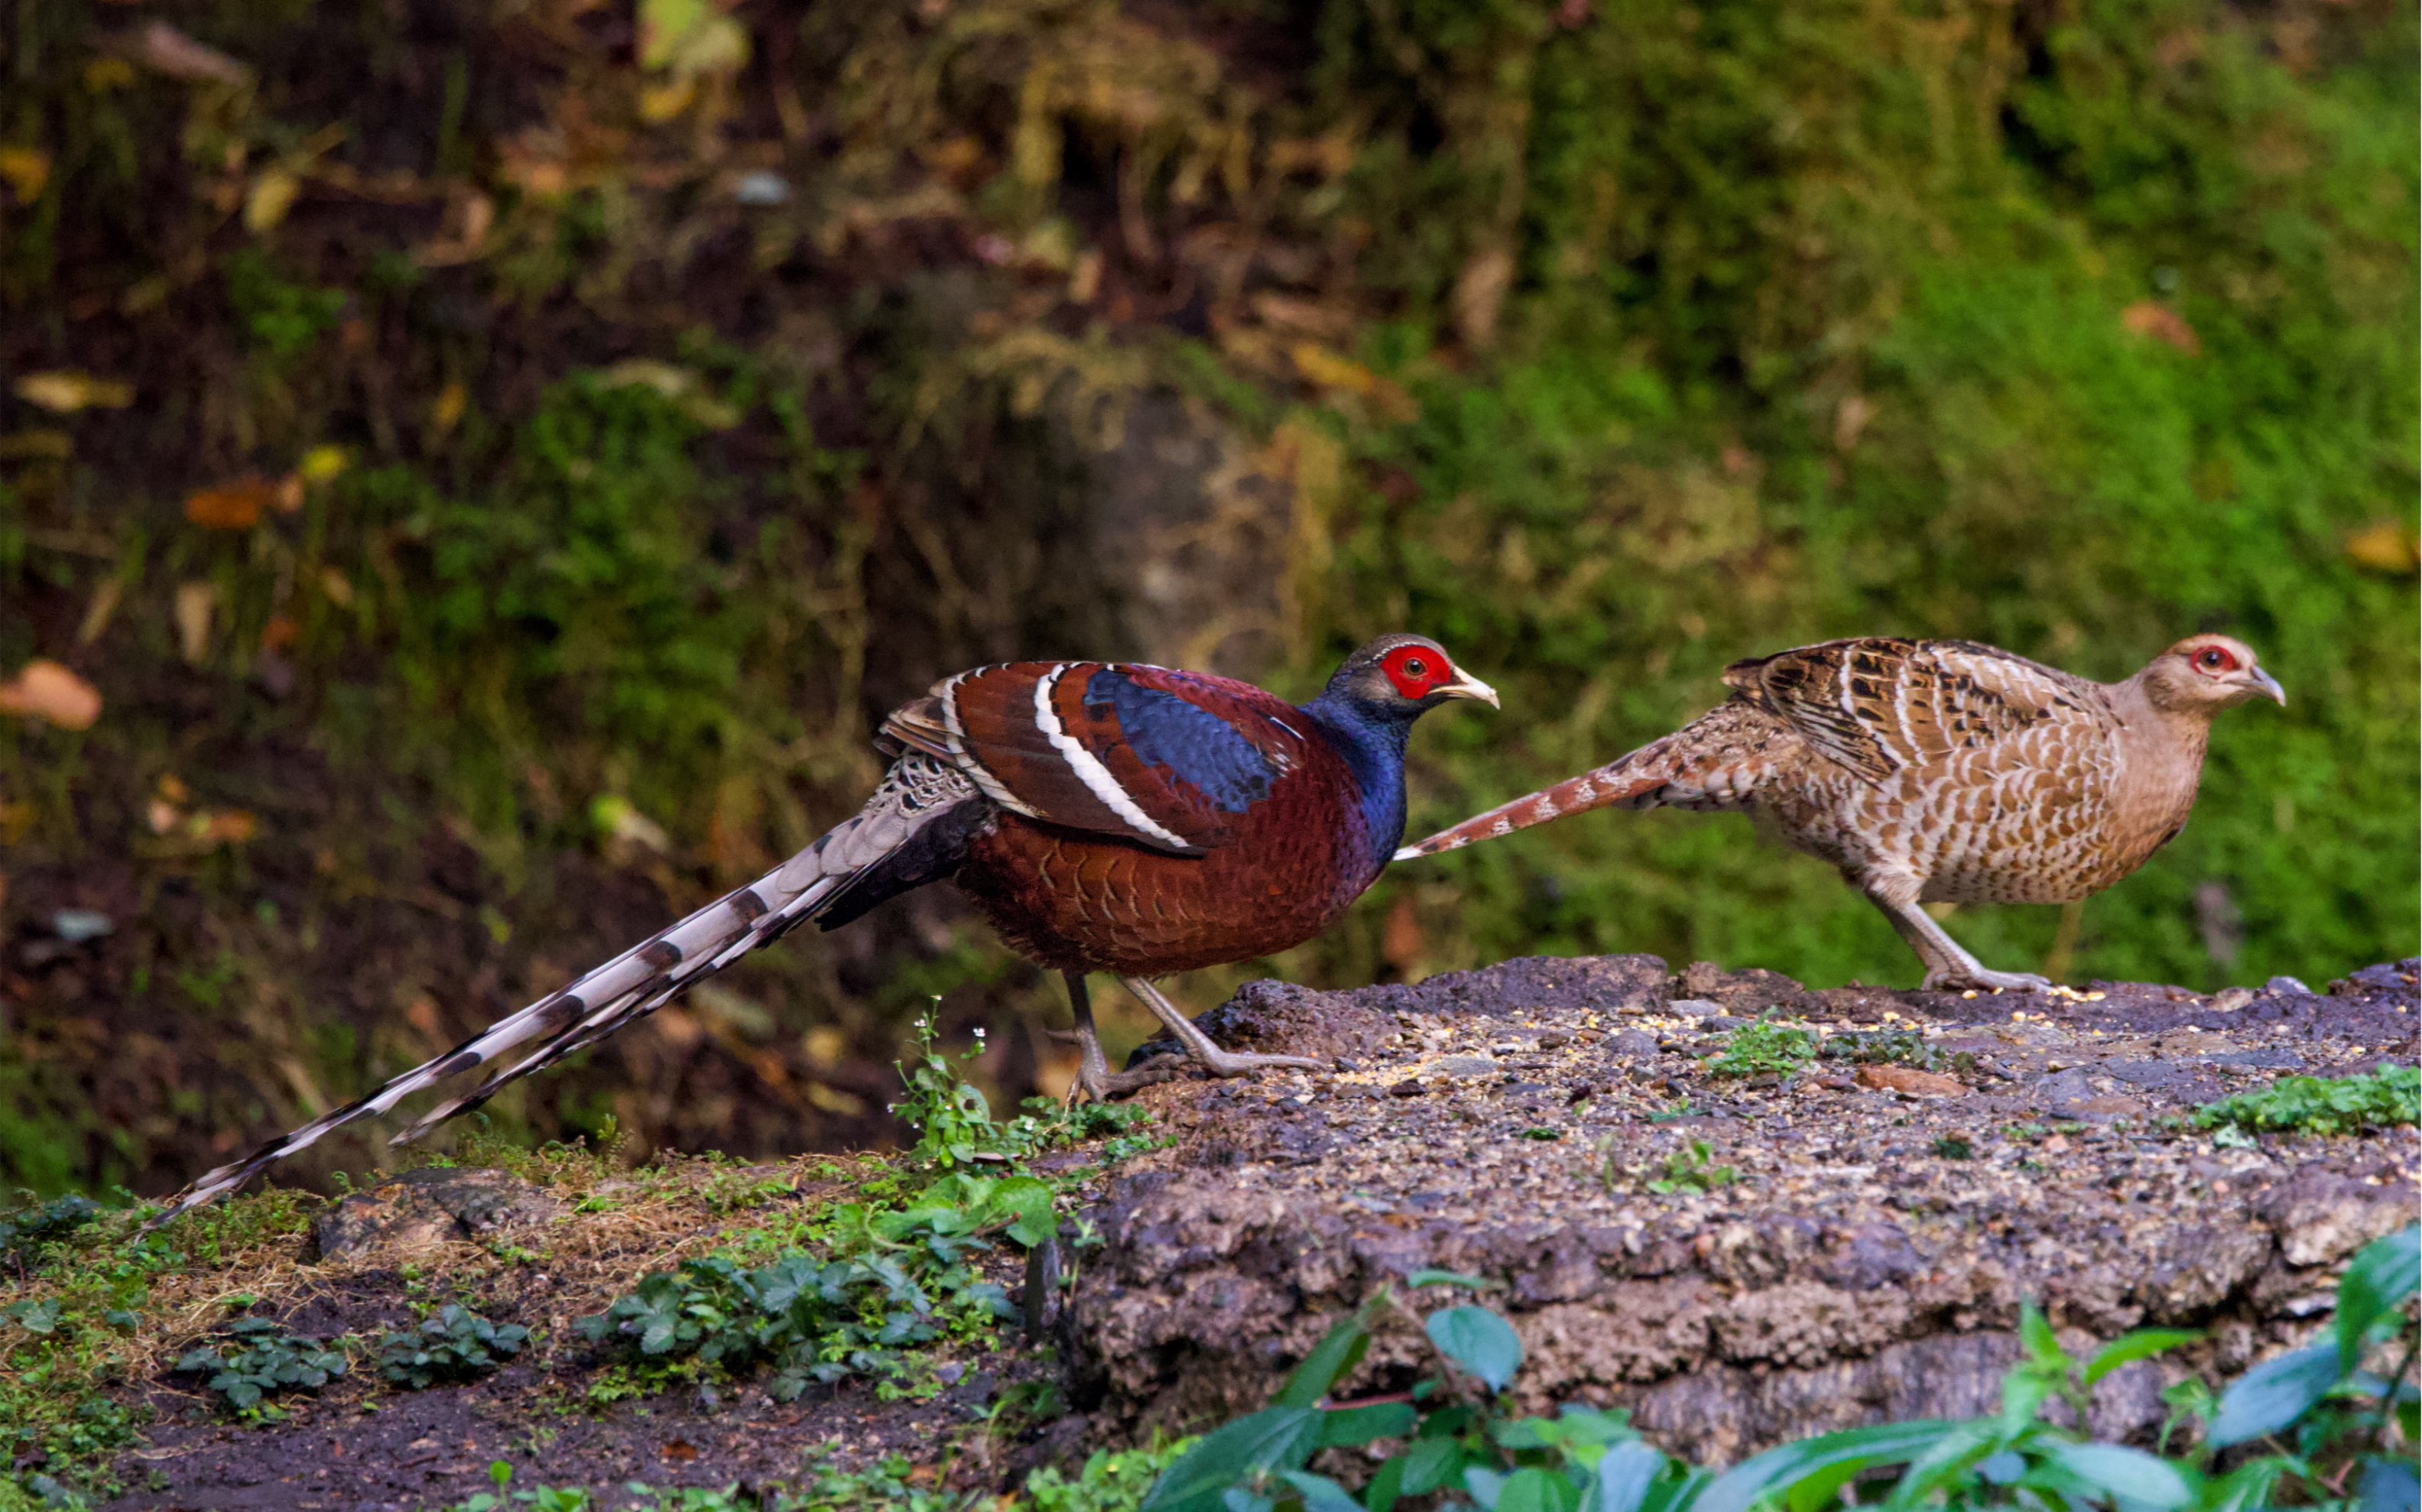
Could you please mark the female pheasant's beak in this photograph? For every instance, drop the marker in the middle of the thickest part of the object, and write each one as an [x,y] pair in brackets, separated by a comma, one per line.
[1468,687]
[2266,684]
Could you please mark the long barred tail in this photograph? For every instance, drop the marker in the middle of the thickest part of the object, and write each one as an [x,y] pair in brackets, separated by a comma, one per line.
[1717,761]
[816,883]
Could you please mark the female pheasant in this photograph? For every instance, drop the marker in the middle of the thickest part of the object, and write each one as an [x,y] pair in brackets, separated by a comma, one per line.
[1934,771]
[1104,816]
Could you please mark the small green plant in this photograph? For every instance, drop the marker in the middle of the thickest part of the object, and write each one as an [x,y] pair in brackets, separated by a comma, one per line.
[27,1228]
[891,1280]
[2326,1417]
[1894,1047]
[1955,1147]
[455,1345]
[955,1126]
[1764,1048]
[2317,1104]
[258,1358]
[1693,1168]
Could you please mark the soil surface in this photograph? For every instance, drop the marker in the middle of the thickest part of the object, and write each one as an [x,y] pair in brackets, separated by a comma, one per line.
[1534,1127]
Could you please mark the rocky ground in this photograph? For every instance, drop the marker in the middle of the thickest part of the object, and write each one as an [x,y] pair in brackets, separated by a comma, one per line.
[1738,1259]
[1868,1258]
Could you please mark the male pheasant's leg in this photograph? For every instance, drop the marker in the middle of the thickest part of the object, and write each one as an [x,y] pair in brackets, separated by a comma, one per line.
[1949,968]
[1217,1061]
[1094,1077]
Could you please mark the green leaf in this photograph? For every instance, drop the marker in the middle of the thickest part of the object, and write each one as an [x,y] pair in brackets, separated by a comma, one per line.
[2124,1474]
[1276,1438]
[1320,1493]
[2387,1272]
[1485,1485]
[1446,1277]
[2388,1485]
[1812,1470]
[1956,1452]
[1623,1478]
[2035,1336]
[1476,1339]
[1339,1351]
[1532,1490]
[2247,1487]
[1431,1464]
[2129,1348]
[2274,1394]
[1386,1487]
[1031,1200]
[1351,1427]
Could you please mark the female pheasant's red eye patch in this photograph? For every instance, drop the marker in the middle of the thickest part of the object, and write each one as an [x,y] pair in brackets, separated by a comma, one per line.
[2214,659]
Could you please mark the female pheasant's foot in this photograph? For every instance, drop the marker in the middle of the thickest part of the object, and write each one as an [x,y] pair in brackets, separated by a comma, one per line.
[1981,980]
[1221,1063]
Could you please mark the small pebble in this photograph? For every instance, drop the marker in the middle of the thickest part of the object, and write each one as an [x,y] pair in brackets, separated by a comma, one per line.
[1410,1087]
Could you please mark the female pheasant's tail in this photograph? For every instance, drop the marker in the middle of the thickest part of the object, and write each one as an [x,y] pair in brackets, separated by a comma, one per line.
[1717,761]
[893,844]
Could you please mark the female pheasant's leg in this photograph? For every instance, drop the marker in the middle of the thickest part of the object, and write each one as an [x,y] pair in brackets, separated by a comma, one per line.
[1094,1077]
[1217,1061]
[1949,968]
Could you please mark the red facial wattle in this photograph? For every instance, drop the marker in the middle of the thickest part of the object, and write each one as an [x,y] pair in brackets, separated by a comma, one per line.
[1417,673]
[2214,660]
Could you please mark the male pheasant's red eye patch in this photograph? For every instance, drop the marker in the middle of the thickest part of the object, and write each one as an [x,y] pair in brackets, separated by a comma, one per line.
[1416,673]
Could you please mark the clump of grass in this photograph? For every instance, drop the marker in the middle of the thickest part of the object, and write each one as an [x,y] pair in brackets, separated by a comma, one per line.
[1765,1047]
[2320,1105]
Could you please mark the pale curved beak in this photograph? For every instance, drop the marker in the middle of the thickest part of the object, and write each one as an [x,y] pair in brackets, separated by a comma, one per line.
[1468,687]
[2268,686]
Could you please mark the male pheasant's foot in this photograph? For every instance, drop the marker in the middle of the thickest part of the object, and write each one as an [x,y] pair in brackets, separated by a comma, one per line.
[1981,980]
[1094,1080]
[1107,1086]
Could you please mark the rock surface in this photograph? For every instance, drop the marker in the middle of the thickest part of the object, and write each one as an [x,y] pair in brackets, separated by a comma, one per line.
[1553,1127]
[428,1208]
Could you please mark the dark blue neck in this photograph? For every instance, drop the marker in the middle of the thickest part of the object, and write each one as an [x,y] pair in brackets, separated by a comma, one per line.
[1372,741]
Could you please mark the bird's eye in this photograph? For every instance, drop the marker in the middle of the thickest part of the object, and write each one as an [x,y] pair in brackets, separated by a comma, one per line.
[1415,666]
[2215,660]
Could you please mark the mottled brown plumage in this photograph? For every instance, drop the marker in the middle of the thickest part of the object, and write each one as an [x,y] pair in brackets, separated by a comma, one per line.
[1934,771]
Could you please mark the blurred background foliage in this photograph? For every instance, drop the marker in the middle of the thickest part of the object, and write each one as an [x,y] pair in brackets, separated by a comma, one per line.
[471,474]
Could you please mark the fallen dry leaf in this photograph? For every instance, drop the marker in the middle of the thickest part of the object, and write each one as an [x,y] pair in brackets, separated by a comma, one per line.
[235,506]
[163,49]
[64,393]
[224,826]
[272,194]
[194,603]
[323,465]
[2390,547]
[2163,324]
[45,691]
[1851,420]
[1326,369]
[1910,1080]
[24,170]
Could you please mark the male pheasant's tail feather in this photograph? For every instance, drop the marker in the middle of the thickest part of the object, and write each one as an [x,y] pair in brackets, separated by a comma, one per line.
[644,978]
[1717,761]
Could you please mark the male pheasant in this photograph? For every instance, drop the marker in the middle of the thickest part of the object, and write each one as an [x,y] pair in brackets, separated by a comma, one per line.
[1934,771]
[1104,816]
